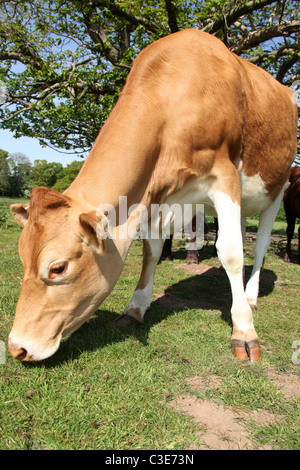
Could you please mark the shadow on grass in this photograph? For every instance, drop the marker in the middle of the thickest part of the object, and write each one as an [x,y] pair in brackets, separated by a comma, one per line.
[279,250]
[206,291]
[205,253]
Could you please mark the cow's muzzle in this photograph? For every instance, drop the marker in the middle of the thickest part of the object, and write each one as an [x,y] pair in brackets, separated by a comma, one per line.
[28,350]
[18,353]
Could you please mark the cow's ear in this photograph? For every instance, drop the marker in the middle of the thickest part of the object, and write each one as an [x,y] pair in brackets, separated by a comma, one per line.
[89,222]
[20,213]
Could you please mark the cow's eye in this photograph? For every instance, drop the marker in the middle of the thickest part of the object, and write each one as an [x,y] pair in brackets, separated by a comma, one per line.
[57,269]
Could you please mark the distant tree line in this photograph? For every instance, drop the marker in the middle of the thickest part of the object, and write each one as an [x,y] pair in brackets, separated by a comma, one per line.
[18,175]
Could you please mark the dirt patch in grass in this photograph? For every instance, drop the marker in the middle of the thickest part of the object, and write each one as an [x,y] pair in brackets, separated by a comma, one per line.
[226,428]
[212,382]
[201,268]
[222,428]
[287,383]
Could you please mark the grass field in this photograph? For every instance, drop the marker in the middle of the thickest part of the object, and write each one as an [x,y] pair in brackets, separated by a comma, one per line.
[171,383]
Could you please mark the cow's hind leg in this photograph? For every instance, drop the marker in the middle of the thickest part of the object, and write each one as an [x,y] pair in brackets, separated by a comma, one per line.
[141,298]
[266,222]
[229,247]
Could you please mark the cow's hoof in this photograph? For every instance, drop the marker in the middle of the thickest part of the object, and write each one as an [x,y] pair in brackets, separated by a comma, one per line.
[192,257]
[125,320]
[239,349]
[253,307]
[253,350]
[165,258]
[246,351]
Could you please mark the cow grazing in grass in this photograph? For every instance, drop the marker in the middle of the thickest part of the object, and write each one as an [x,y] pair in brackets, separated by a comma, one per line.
[291,200]
[193,124]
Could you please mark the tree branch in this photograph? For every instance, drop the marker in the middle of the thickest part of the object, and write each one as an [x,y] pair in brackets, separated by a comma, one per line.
[273,56]
[98,36]
[256,37]
[12,55]
[172,20]
[235,13]
[42,90]
[287,64]
[25,51]
[132,19]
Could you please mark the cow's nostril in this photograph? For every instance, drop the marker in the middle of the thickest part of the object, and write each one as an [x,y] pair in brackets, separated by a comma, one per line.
[18,353]
[22,354]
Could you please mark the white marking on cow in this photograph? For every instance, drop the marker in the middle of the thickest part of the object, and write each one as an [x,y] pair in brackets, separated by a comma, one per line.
[266,222]
[141,298]
[35,351]
[254,195]
[230,251]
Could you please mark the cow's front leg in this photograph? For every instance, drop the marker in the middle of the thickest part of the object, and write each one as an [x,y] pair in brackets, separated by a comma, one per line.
[142,295]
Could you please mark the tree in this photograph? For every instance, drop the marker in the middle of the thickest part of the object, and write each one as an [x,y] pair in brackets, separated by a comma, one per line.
[44,173]
[19,173]
[68,175]
[14,173]
[64,62]
[4,172]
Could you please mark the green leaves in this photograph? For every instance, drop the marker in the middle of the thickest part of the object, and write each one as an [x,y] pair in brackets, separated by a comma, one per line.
[18,176]
[65,62]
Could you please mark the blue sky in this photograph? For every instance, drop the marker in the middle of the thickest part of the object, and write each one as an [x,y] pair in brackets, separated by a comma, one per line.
[32,149]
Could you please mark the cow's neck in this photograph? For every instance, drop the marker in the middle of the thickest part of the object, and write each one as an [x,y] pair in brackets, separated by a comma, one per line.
[120,162]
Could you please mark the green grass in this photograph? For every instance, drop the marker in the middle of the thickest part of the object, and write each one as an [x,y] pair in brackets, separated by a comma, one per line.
[110,388]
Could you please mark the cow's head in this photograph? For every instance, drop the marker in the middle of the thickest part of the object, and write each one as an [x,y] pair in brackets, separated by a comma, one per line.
[67,272]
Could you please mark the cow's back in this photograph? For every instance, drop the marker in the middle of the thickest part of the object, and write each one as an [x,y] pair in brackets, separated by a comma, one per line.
[208,100]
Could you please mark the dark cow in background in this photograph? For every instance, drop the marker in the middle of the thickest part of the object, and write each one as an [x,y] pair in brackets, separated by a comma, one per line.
[291,202]
[192,250]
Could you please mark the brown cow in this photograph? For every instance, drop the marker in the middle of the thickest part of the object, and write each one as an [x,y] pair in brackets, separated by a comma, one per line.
[194,124]
[291,200]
